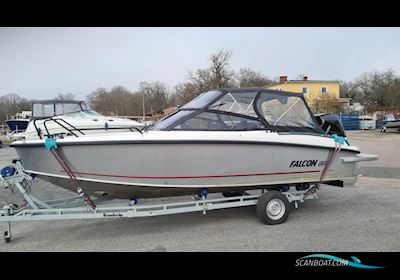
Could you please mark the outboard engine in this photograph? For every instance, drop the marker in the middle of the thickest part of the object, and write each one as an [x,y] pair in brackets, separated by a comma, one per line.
[331,124]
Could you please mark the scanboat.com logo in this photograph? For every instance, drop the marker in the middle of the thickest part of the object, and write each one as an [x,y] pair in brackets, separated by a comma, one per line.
[328,260]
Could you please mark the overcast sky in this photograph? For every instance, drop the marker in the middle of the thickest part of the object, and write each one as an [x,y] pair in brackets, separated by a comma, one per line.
[43,62]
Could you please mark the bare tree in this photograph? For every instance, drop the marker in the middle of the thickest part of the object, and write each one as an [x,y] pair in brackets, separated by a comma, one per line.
[155,96]
[217,75]
[117,101]
[185,92]
[98,101]
[11,104]
[65,96]
[350,90]
[250,78]
[220,68]
[327,103]
[379,88]
[93,99]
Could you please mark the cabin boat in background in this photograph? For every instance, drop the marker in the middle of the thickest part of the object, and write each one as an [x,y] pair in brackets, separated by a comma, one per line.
[70,118]
[390,122]
[19,122]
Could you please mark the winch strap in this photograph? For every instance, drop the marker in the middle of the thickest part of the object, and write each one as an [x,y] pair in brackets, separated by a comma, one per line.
[74,180]
[51,145]
[65,168]
[64,164]
[331,158]
[338,142]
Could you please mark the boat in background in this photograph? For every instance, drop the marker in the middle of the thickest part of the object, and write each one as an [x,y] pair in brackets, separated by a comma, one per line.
[367,122]
[19,122]
[390,122]
[225,140]
[70,118]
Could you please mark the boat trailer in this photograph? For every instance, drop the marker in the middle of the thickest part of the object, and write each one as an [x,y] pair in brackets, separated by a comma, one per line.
[273,206]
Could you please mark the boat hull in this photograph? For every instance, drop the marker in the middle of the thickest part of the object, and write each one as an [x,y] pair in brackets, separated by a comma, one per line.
[392,124]
[17,125]
[155,169]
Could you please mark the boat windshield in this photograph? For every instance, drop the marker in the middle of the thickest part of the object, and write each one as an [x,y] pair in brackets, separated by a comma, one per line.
[202,100]
[51,109]
[82,114]
[243,110]
[202,120]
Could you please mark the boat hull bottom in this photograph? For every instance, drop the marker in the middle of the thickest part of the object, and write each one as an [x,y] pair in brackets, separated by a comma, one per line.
[115,191]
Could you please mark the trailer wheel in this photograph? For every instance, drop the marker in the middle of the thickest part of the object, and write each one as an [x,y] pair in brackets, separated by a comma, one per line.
[7,238]
[273,208]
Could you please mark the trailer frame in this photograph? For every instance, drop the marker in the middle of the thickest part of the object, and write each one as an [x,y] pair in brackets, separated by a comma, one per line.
[73,208]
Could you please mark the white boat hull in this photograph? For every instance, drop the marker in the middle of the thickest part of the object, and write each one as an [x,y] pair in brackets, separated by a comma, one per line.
[392,124]
[168,163]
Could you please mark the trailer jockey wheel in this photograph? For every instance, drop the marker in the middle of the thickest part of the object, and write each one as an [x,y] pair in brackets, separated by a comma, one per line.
[273,208]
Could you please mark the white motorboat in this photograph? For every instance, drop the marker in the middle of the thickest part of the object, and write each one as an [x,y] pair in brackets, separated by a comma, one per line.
[71,118]
[225,140]
[19,122]
[390,122]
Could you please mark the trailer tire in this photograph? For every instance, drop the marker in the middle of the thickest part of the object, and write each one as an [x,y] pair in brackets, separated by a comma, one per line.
[7,239]
[273,208]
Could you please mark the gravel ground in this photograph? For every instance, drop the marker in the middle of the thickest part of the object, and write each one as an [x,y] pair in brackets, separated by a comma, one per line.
[363,217]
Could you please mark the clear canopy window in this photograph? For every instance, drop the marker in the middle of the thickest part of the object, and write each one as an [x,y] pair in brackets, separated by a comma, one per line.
[286,112]
[236,102]
[49,108]
[237,109]
[66,108]
[43,110]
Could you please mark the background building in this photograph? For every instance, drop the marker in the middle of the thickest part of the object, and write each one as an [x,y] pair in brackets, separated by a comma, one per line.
[322,95]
